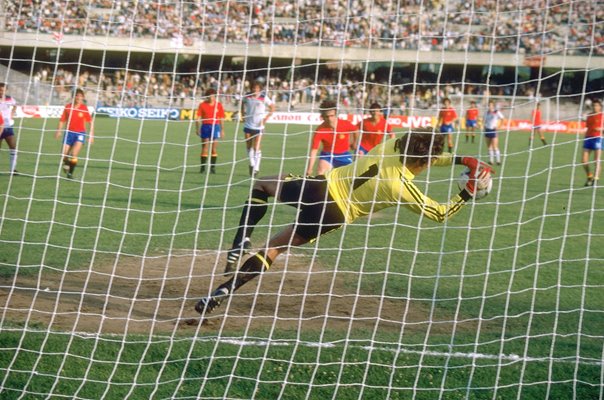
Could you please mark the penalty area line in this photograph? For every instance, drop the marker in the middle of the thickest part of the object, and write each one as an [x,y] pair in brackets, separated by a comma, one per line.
[444,354]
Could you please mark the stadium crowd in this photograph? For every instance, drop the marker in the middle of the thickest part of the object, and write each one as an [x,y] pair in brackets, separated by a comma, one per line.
[535,27]
[132,88]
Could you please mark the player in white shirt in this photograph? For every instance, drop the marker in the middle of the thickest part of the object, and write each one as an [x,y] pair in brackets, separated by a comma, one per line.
[257,107]
[7,109]
[492,119]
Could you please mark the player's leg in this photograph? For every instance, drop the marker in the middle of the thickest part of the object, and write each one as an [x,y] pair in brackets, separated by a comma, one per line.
[73,160]
[253,266]
[204,155]
[495,143]
[450,141]
[257,153]
[216,133]
[253,211]
[214,155]
[598,166]
[542,136]
[489,142]
[66,157]
[251,153]
[585,162]
[323,167]
[318,215]
[12,149]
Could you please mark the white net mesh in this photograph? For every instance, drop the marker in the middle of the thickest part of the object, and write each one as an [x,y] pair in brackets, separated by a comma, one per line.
[100,273]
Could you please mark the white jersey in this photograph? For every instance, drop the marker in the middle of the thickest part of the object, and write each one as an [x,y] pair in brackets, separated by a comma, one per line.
[254,110]
[6,108]
[492,118]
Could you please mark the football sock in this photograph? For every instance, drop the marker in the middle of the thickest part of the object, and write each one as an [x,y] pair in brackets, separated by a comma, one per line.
[257,159]
[491,156]
[543,141]
[252,156]
[253,211]
[12,160]
[498,156]
[72,164]
[251,268]
[213,163]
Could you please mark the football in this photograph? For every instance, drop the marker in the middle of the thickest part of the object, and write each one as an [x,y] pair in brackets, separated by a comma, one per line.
[481,190]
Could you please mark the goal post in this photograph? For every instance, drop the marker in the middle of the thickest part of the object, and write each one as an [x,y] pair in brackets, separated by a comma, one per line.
[101,269]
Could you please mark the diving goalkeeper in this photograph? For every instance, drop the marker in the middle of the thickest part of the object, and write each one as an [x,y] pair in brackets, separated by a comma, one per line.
[382,178]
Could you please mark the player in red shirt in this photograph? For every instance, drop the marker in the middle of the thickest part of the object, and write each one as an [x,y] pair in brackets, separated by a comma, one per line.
[593,142]
[472,115]
[210,115]
[447,117]
[536,122]
[373,129]
[77,116]
[333,136]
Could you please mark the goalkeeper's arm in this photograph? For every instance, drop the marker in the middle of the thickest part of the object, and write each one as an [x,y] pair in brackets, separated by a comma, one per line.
[415,200]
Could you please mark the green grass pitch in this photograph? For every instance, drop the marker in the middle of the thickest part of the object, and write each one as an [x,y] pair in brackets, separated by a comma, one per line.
[525,264]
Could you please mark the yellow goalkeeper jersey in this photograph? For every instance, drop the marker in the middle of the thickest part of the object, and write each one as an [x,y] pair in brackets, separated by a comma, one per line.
[379,180]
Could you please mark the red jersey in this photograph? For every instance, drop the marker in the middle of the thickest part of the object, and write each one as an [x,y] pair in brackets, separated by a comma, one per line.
[447,116]
[537,118]
[472,114]
[333,141]
[372,134]
[210,114]
[594,125]
[76,117]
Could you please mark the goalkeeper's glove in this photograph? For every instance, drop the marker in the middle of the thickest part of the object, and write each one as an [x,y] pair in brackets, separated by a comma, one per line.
[478,177]
[475,164]
[477,182]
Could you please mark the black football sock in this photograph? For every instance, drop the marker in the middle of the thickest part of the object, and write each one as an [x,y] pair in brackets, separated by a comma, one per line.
[252,213]
[251,268]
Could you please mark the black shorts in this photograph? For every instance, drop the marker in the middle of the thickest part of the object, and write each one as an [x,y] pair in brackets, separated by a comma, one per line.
[252,132]
[318,212]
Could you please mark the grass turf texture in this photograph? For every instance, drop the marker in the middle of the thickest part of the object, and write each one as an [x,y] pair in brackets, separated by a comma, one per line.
[523,280]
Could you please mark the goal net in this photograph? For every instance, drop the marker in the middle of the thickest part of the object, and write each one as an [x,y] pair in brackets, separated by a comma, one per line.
[105,252]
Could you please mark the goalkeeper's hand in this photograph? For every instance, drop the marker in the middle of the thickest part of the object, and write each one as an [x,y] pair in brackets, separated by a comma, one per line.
[475,165]
[478,182]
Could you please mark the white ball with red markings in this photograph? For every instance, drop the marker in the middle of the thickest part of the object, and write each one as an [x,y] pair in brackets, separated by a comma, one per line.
[483,186]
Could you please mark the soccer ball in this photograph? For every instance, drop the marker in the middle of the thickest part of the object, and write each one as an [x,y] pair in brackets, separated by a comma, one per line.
[481,191]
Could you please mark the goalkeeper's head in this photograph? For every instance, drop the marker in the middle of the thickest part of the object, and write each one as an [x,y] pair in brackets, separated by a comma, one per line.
[420,147]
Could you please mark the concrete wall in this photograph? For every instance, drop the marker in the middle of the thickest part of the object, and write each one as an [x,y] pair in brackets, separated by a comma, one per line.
[304,52]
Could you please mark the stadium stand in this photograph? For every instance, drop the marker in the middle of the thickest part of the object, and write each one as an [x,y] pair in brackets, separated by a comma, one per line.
[547,27]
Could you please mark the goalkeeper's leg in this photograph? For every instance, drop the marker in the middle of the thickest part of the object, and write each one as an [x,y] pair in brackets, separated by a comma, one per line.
[253,266]
[253,211]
